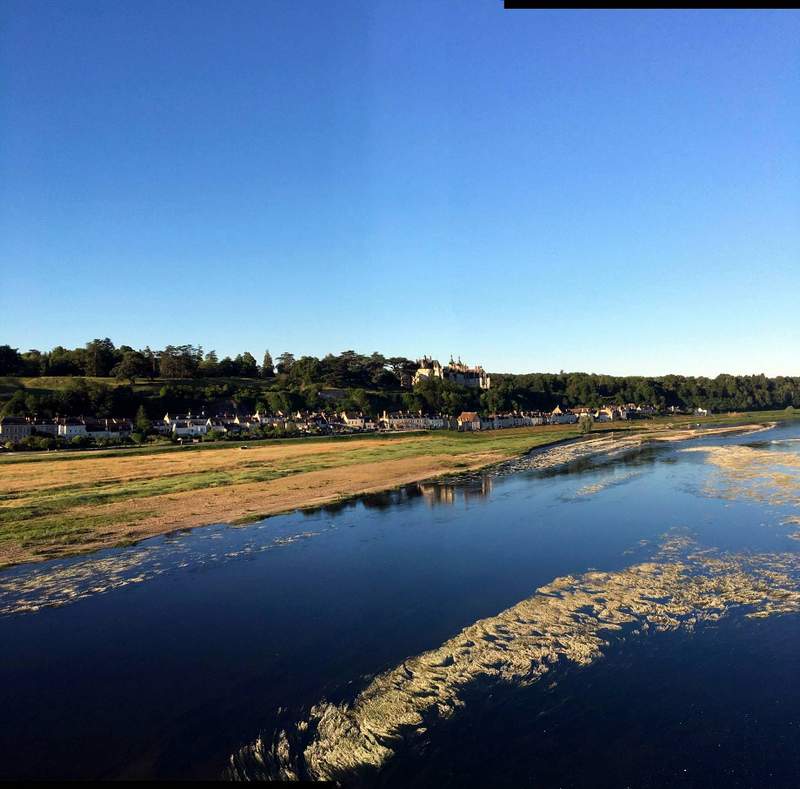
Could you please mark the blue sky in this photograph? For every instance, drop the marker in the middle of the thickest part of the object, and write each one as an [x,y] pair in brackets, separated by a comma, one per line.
[599,191]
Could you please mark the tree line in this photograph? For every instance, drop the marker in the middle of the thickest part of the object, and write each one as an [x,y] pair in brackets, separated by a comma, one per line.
[100,358]
[184,377]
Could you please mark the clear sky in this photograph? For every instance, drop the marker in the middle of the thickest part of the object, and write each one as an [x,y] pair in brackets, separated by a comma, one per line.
[598,191]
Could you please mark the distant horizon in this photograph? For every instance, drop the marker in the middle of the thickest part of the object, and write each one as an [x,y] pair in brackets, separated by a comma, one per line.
[610,190]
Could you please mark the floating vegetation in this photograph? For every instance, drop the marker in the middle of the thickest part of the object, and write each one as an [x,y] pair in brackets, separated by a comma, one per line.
[764,475]
[29,588]
[604,484]
[571,619]
[768,476]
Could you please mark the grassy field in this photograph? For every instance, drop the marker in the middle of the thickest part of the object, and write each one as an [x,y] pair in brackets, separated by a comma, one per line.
[56,504]
[67,502]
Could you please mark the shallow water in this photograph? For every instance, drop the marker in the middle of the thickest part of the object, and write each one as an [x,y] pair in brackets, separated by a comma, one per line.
[167,658]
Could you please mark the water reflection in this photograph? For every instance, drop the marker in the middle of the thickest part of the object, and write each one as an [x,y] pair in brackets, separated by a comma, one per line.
[467,488]
[448,493]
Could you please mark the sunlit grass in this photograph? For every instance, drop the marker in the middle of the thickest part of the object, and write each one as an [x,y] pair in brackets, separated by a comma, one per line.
[50,511]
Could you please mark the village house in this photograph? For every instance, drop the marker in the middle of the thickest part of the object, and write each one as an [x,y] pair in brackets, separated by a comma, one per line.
[44,427]
[535,418]
[186,424]
[247,422]
[261,419]
[513,419]
[468,421]
[170,418]
[183,428]
[14,428]
[357,421]
[107,428]
[398,421]
[270,420]
[312,421]
[408,421]
[70,427]
[216,425]
[562,416]
[353,420]
[497,422]
[189,426]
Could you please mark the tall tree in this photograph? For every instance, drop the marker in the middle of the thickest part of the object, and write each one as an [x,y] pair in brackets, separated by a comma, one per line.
[152,363]
[267,366]
[248,367]
[99,358]
[142,423]
[209,367]
[285,362]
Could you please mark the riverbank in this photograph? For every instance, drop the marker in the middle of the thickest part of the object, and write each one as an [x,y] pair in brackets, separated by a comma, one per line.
[614,443]
[65,506]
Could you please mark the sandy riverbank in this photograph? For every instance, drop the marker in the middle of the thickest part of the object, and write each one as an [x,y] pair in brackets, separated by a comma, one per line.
[615,443]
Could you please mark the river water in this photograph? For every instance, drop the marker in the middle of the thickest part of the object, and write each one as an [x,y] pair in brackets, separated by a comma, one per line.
[662,652]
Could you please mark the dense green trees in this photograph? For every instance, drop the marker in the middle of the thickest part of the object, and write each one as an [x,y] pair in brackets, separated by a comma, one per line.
[10,361]
[181,361]
[285,363]
[434,396]
[99,358]
[367,383]
[79,397]
[133,365]
[723,393]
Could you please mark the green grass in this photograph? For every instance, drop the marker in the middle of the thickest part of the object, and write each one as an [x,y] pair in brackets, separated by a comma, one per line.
[50,518]
[60,534]
[58,519]
[448,439]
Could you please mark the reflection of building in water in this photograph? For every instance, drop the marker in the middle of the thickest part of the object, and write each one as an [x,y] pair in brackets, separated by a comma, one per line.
[479,491]
[437,493]
[443,493]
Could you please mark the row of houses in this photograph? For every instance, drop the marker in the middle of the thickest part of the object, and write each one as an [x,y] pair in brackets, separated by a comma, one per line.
[188,425]
[471,420]
[16,428]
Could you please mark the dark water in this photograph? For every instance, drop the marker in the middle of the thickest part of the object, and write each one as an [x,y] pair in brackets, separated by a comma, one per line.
[167,676]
